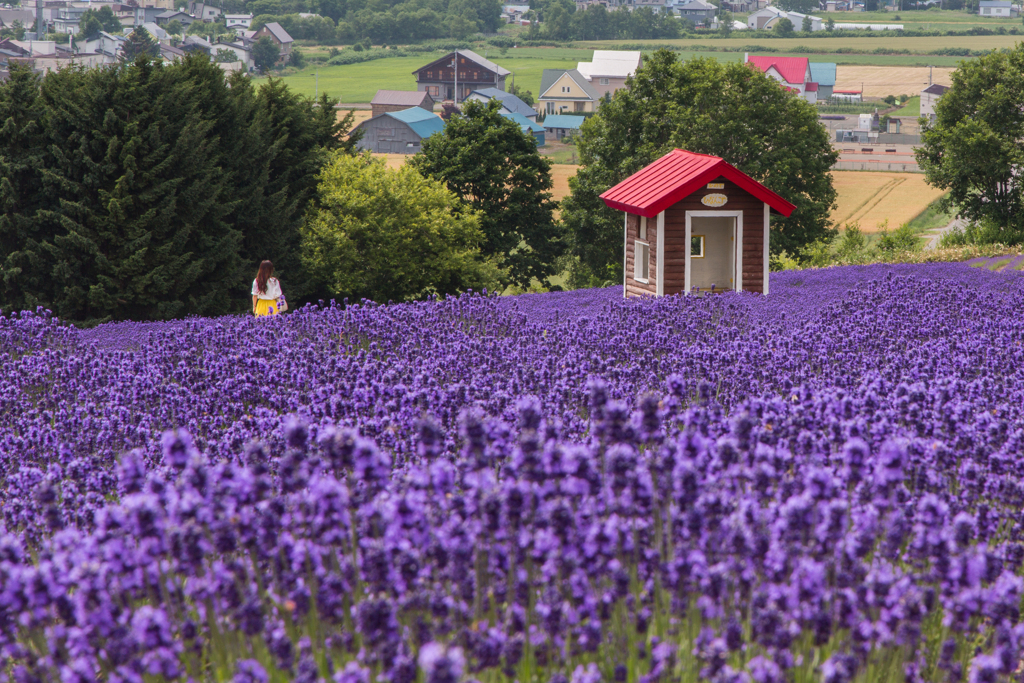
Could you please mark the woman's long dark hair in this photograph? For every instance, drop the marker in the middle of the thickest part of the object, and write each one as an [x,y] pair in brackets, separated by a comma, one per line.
[264,274]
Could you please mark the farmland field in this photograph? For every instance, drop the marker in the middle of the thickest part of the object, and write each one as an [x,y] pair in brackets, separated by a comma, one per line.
[879,81]
[355,83]
[817,485]
[826,45]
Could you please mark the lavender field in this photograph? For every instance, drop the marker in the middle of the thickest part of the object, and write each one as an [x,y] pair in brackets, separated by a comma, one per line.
[826,484]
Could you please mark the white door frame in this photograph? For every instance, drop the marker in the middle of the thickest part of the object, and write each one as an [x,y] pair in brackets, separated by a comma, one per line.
[659,267]
[737,241]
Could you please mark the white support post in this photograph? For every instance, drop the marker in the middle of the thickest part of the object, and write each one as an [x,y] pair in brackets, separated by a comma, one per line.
[738,285]
[686,250]
[767,214]
[660,266]
[625,250]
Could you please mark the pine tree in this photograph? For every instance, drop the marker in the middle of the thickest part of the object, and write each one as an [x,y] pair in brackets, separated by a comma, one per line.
[143,210]
[22,258]
[139,42]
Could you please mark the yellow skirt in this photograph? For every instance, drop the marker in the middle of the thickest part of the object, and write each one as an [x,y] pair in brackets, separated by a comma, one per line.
[266,307]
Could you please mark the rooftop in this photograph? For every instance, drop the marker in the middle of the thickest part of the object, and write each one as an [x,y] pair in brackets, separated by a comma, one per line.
[936,89]
[792,69]
[508,100]
[676,176]
[423,122]
[410,98]
[550,76]
[278,32]
[563,121]
[823,73]
[610,64]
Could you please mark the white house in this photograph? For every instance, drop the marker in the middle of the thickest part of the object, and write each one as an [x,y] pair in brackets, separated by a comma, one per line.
[768,17]
[929,97]
[608,70]
[793,73]
[995,8]
[238,20]
[242,53]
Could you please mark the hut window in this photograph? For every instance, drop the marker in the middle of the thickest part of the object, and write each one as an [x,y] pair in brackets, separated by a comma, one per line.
[643,227]
[641,261]
[696,246]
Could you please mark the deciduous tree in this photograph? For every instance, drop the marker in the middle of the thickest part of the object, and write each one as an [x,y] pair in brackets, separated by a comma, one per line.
[729,110]
[265,53]
[389,234]
[489,162]
[975,147]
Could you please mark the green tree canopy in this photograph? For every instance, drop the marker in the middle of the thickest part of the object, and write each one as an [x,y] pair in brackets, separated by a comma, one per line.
[265,53]
[151,191]
[387,234]
[729,110]
[489,162]
[783,27]
[139,42]
[174,28]
[102,19]
[975,147]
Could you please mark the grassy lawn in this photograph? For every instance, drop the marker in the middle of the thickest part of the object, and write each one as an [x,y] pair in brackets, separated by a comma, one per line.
[911,108]
[359,82]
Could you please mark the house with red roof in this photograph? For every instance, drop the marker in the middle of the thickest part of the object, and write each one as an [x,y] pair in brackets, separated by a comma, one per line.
[793,73]
[694,223]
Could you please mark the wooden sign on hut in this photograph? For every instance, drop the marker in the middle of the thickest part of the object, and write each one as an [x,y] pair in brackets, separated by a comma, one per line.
[685,215]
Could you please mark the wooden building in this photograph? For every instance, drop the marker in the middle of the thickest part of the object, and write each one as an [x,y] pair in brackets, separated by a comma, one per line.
[398,132]
[398,100]
[439,79]
[685,214]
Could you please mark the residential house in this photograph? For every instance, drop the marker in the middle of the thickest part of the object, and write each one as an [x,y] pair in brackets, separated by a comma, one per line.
[171,53]
[608,69]
[560,126]
[67,19]
[744,6]
[238,20]
[768,17]
[398,132]
[157,32]
[509,102]
[242,53]
[125,14]
[168,16]
[277,33]
[824,74]
[566,91]
[101,43]
[196,44]
[399,100]
[513,14]
[438,79]
[612,5]
[995,8]
[204,12]
[930,97]
[526,125]
[701,13]
[793,73]
[147,15]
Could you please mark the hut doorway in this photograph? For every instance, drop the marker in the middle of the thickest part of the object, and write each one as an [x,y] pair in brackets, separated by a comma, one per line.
[713,252]
[712,236]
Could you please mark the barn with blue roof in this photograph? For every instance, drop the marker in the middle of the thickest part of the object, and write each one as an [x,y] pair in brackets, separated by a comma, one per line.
[398,132]
[509,102]
[527,126]
[824,74]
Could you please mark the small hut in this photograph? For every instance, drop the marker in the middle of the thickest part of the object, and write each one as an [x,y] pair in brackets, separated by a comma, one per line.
[685,215]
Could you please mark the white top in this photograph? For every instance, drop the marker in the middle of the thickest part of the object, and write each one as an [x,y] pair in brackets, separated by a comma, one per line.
[273,290]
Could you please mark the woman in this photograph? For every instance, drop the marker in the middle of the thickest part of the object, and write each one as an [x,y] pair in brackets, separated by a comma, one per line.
[267,298]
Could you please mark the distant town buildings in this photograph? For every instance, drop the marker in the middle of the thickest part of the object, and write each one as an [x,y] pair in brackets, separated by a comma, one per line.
[930,96]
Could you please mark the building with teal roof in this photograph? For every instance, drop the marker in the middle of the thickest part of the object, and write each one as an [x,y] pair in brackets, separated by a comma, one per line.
[527,126]
[399,132]
[824,74]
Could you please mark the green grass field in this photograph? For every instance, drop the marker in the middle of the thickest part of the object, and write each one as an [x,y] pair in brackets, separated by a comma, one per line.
[356,83]
[911,108]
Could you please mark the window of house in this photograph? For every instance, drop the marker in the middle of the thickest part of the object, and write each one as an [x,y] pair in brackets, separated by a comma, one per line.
[643,227]
[604,81]
[565,88]
[696,246]
[641,261]
[551,107]
[987,10]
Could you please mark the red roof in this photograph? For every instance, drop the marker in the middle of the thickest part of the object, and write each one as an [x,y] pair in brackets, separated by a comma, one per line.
[846,92]
[793,69]
[676,176]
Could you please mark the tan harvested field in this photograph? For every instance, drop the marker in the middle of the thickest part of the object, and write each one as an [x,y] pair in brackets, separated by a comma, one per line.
[866,197]
[869,198]
[879,81]
[922,44]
